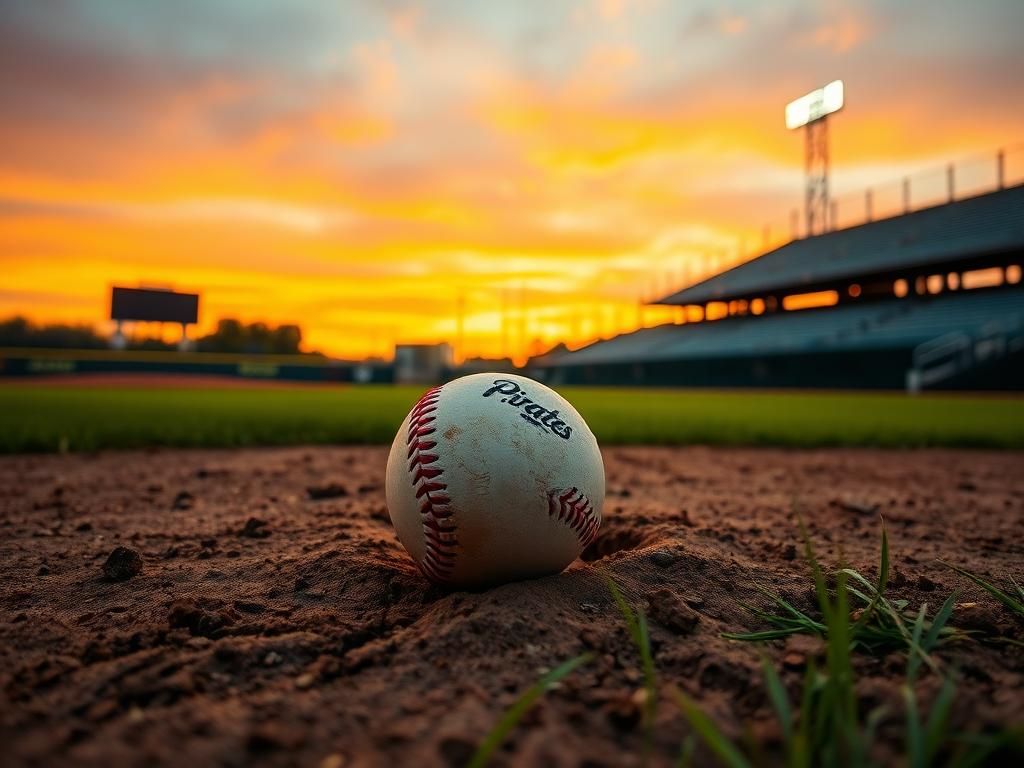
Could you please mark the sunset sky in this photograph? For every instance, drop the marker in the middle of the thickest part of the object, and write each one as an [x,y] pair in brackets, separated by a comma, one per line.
[361,168]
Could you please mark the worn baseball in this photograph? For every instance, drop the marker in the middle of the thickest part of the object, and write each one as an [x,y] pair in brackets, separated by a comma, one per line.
[493,478]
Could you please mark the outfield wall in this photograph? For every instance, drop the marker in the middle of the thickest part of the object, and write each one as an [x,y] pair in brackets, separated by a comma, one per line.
[24,362]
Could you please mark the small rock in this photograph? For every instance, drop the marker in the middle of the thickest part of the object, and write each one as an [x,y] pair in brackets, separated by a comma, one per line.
[122,564]
[329,491]
[255,528]
[858,507]
[305,681]
[183,500]
[794,660]
[272,659]
[336,760]
[455,750]
[662,558]
[44,570]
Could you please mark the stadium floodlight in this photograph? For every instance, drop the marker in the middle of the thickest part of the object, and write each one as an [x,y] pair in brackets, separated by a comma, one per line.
[809,112]
[815,105]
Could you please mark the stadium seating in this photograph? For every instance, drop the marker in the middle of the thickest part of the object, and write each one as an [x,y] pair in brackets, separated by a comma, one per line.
[900,323]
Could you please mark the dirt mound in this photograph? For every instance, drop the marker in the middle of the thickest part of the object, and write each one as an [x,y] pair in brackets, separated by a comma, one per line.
[308,637]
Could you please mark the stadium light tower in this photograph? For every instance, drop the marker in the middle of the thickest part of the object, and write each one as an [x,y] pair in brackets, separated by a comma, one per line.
[810,112]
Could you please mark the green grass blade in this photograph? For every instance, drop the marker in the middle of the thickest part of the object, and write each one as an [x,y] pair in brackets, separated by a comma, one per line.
[650,683]
[931,639]
[800,754]
[780,702]
[768,634]
[883,565]
[632,625]
[710,734]
[514,713]
[1020,590]
[1017,606]
[636,623]
[686,751]
[883,583]
[938,718]
[916,651]
[915,740]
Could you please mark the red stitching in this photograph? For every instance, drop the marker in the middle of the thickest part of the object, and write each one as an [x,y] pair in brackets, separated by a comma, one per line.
[571,507]
[438,562]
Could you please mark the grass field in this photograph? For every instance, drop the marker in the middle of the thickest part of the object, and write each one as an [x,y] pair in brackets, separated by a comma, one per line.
[56,418]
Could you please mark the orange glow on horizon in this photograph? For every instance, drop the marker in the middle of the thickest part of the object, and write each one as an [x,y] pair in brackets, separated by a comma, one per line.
[388,175]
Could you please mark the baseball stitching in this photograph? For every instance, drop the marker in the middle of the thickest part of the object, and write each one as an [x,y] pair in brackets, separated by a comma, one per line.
[571,507]
[435,508]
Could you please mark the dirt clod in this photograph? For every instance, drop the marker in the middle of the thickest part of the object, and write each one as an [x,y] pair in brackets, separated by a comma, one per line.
[255,528]
[122,564]
[672,612]
[329,491]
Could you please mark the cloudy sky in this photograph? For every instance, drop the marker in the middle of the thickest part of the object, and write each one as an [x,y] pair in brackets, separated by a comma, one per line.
[365,167]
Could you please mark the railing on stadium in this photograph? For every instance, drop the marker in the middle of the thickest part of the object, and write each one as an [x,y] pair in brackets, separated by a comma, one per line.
[953,353]
[971,176]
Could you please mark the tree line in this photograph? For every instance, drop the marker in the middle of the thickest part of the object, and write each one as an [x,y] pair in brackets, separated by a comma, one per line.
[231,335]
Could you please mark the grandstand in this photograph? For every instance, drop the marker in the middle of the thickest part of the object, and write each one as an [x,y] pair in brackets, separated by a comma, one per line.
[929,299]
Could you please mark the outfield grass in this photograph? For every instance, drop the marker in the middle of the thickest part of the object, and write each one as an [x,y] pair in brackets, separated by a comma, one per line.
[54,418]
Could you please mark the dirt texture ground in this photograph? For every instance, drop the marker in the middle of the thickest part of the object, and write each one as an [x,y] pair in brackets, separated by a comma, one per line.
[277,621]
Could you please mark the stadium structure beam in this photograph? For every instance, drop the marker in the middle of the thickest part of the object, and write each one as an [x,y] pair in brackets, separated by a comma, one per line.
[816,197]
[810,112]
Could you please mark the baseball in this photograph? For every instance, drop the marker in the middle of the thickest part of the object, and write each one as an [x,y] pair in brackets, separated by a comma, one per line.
[493,478]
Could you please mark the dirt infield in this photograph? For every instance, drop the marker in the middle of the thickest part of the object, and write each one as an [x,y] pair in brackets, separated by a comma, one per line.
[271,627]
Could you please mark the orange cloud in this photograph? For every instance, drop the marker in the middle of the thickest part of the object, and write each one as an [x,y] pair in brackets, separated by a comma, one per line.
[426,162]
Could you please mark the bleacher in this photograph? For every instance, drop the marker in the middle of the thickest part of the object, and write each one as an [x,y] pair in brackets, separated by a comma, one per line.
[876,325]
[869,337]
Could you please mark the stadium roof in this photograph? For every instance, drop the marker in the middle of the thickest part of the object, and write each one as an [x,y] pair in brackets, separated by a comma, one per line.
[966,228]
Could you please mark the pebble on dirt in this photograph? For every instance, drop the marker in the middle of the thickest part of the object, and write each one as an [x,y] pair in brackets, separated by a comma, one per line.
[183,500]
[255,528]
[329,491]
[122,564]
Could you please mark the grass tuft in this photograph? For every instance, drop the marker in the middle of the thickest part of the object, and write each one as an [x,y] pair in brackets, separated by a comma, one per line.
[514,713]
[636,623]
[880,626]
[1015,604]
[829,728]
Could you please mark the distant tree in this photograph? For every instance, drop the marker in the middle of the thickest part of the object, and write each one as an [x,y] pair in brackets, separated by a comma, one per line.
[229,337]
[20,332]
[255,338]
[286,339]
